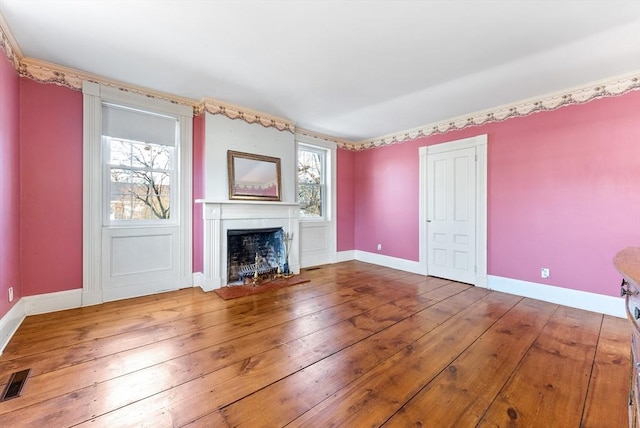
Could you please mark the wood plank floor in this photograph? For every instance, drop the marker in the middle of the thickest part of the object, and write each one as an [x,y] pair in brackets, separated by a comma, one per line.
[359,345]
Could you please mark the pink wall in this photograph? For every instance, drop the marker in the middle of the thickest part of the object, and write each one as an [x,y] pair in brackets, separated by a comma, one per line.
[345,200]
[564,193]
[198,192]
[9,184]
[386,200]
[51,181]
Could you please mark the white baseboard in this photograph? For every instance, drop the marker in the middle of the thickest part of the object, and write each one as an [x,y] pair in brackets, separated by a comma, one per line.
[51,302]
[600,303]
[198,279]
[211,284]
[345,256]
[391,262]
[90,298]
[10,322]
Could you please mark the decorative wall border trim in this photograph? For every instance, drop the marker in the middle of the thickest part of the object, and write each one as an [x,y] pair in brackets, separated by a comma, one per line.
[9,45]
[231,111]
[341,142]
[51,73]
[45,72]
[608,88]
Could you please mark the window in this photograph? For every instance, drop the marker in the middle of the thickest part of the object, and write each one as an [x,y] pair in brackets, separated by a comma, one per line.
[311,181]
[140,154]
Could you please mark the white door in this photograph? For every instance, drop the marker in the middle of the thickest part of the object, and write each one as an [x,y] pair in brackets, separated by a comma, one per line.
[451,214]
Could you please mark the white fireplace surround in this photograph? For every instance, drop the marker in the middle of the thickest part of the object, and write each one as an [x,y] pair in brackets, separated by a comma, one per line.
[219,217]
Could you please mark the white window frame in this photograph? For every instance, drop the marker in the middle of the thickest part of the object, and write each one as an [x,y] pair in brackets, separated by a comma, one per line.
[94,96]
[325,189]
[174,177]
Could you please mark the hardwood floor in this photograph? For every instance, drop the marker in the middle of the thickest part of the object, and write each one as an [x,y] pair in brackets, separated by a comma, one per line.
[359,345]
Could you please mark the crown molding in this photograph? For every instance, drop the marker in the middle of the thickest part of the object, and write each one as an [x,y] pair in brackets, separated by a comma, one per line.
[341,142]
[46,72]
[9,45]
[612,87]
[232,111]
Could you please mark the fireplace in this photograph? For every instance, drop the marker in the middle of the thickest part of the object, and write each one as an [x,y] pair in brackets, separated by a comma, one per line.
[223,220]
[249,250]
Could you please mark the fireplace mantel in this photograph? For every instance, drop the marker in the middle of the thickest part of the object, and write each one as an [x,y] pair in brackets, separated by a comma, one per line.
[221,216]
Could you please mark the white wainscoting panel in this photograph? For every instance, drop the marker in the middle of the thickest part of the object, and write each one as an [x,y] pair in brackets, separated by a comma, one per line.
[127,257]
[315,243]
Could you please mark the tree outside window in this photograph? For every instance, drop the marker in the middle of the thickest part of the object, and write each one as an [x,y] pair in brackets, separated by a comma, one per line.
[311,182]
[140,180]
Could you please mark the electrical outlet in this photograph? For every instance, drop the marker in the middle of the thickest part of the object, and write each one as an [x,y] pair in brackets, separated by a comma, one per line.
[379,247]
[10,294]
[544,272]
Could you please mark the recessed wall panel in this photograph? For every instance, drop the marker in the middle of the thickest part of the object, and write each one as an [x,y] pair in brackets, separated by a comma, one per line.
[439,257]
[440,194]
[461,260]
[440,237]
[460,239]
[140,254]
[461,188]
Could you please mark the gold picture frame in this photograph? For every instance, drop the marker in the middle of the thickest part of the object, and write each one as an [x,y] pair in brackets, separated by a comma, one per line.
[253,177]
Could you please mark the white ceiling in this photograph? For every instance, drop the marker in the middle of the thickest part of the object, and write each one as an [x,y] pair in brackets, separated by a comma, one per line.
[350,69]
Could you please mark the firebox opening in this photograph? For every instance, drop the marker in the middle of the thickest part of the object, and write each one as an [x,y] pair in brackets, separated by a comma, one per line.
[244,244]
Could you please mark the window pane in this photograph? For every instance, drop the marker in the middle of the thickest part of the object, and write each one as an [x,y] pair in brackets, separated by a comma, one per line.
[311,183]
[139,194]
[310,198]
[309,167]
[120,153]
[153,190]
[139,173]
[151,156]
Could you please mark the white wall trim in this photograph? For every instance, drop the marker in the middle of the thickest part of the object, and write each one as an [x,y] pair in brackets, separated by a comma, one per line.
[220,217]
[52,302]
[10,322]
[331,180]
[600,303]
[198,279]
[390,262]
[345,256]
[94,276]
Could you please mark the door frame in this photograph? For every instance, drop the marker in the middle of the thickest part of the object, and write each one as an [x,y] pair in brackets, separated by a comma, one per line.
[92,217]
[478,142]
